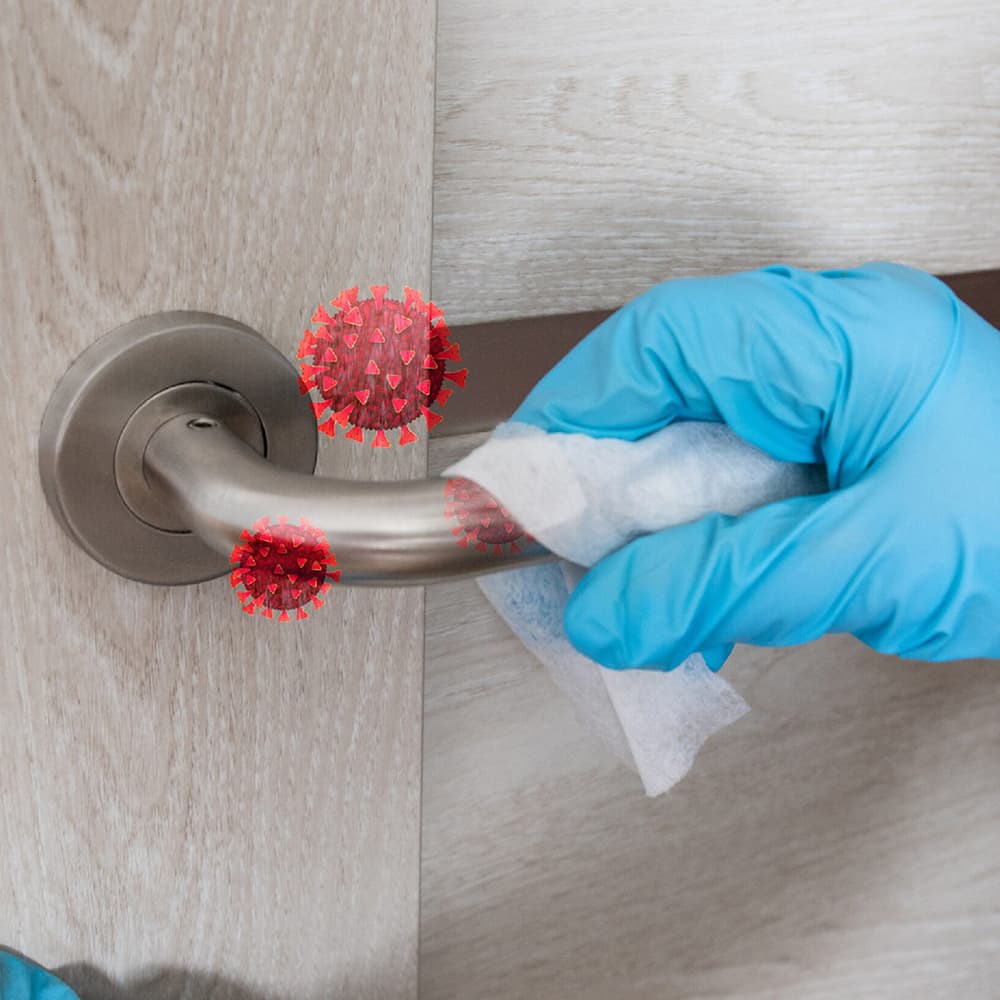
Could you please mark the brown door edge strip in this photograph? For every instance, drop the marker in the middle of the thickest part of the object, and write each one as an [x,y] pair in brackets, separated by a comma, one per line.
[507,357]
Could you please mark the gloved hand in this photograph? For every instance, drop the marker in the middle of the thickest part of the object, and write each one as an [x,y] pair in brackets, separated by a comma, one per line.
[882,374]
[21,980]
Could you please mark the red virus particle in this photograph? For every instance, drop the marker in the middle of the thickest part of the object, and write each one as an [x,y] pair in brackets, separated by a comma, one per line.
[282,567]
[378,363]
[481,520]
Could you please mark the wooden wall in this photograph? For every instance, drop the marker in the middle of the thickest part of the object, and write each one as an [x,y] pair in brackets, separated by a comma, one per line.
[843,840]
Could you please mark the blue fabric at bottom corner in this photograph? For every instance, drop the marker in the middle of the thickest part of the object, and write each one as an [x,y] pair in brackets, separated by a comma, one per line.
[23,980]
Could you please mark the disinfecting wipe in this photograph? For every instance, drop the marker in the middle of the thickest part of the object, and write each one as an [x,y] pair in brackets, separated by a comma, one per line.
[585,497]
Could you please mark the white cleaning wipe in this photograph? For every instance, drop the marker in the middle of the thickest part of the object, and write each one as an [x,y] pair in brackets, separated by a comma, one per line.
[584,497]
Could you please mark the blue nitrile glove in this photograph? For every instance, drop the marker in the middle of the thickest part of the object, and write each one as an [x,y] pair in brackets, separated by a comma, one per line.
[22,980]
[881,373]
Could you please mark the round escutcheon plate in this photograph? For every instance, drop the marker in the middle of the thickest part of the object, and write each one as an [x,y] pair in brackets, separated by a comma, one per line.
[119,391]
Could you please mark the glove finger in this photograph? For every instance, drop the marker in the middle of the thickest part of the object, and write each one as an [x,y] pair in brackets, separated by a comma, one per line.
[21,979]
[779,575]
[768,352]
[716,656]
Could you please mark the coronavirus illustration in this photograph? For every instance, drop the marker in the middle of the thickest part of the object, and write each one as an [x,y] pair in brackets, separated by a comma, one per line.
[282,567]
[377,364]
[481,520]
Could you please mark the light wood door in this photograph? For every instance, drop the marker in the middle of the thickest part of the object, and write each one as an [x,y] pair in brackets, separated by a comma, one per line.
[194,803]
[843,839]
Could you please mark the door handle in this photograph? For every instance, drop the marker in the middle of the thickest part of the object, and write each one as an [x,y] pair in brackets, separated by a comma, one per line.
[382,533]
[169,438]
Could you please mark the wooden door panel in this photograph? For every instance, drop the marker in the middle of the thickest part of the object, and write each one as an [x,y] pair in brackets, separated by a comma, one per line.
[585,151]
[840,840]
[196,803]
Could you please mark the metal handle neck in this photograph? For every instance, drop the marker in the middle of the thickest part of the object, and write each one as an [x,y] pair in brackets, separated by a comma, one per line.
[383,534]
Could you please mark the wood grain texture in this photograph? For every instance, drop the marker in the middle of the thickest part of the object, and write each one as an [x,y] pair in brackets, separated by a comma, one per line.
[585,151]
[197,804]
[842,840]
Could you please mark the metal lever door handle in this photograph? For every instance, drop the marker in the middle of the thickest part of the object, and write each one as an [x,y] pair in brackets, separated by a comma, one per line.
[173,435]
[383,533]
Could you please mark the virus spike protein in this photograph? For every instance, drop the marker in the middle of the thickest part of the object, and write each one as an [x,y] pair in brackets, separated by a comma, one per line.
[282,567]
[361,363]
